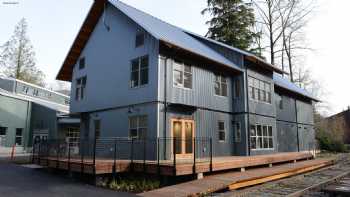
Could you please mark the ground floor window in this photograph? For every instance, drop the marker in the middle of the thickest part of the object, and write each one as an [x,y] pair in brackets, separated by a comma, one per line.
[138,127]
[238,131]
[261,137]
[19,136]
[221,130]
[73,136]
[3,131]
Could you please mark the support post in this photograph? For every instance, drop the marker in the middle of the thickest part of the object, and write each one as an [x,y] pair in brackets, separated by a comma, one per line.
[33,153]
[39,152]
[211,154]
[174,155]
[194,156]
[94,153]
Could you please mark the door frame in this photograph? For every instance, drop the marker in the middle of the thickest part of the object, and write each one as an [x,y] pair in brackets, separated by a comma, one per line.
[183,143]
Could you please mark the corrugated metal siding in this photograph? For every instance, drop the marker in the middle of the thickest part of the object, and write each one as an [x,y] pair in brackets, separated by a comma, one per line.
[169,33]
[305,112]
[287,113]
[287,137]
[108,56]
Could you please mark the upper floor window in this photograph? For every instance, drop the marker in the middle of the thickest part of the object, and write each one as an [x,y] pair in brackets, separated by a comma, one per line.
[261,137]
[182,75]
[220,85]
[259,90]
[82,63]
[139,72]
[238,131]
[138,127]
[140,39]
[80,88]
[3,131]
[221,131]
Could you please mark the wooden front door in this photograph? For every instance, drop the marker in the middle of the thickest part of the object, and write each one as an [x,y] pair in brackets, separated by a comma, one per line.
[183,133]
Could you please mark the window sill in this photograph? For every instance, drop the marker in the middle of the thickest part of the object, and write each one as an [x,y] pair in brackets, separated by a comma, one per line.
[263,149]
[220,96]
[179,87]
[138,87]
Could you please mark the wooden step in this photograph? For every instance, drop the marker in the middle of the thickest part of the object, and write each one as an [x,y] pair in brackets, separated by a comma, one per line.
[235,180]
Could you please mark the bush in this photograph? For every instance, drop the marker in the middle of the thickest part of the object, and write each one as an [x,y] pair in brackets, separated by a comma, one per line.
[133,184]
[329,143]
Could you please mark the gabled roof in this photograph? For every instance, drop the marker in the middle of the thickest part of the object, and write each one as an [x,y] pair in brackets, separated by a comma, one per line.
[286,84]
[157,28]
[248,55]
[51,105]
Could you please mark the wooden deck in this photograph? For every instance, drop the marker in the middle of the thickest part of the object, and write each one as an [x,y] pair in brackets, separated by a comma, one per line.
[235,180]
[166,167]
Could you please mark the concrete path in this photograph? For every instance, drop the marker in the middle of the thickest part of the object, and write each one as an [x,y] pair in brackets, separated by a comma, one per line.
[18,181]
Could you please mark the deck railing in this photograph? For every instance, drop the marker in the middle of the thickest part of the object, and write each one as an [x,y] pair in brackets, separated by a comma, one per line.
[158,151]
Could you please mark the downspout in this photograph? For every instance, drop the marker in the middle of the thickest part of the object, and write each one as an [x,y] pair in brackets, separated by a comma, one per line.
[165,104]
[296,120]
[248,119]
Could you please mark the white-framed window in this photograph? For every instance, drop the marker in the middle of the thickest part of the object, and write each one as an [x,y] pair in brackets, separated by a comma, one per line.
[220,85]
[138,127]
[259,90]
[221,131]
[73,136]
[182,75]
[139,72]
[261,137]
[19,137]
[238,131]
[80,88]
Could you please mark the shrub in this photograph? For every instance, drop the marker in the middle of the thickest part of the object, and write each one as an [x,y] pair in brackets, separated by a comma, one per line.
[329,143]
[133,184]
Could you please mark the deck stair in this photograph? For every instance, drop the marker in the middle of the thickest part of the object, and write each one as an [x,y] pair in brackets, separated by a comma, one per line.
[236,180]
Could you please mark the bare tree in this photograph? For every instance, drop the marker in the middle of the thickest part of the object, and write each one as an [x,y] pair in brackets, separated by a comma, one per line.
[17,58]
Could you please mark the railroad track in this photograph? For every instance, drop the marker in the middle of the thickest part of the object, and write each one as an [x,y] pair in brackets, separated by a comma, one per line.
[308,185]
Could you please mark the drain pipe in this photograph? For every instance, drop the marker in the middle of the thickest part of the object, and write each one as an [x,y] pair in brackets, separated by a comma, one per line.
[165,103]
[296,120]
[248,119]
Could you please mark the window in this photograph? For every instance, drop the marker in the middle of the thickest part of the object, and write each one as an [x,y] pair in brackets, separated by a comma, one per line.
[138,127]
[19,136]
[238,131]
[97,124]
[140,39]
[237,88]
[80,88]
[261,137]
[139,72]
[182,75]
[3,131]
[259,90]
[221,129]
[82,63]
[73,136]
[220,85]
[35,92]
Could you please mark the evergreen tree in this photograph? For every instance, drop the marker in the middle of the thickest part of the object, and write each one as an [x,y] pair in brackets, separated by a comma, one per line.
[232,23]
[17,58]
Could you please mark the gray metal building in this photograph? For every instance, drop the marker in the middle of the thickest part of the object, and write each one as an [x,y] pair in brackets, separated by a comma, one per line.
[29,112]
[135,76]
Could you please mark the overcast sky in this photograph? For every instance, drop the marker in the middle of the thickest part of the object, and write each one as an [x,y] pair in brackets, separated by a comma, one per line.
[53,25]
